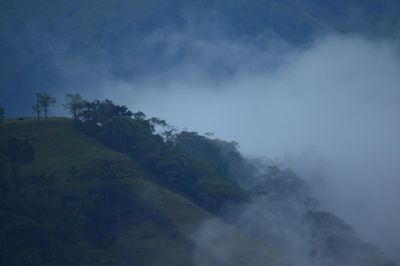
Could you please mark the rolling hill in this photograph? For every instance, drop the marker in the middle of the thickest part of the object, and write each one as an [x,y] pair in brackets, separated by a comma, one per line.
[81,203]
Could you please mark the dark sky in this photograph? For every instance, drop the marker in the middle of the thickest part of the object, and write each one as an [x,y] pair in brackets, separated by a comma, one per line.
[279,77]
[68,45]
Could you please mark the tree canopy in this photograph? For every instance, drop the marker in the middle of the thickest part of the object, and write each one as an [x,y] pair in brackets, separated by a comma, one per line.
[73,103]
[75,219]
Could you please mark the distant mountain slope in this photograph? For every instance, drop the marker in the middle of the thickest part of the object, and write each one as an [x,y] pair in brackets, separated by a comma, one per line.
[68,197]
[80,203]
[39,39]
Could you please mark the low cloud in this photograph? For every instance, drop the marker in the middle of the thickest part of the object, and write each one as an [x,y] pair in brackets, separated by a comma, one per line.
[339,95]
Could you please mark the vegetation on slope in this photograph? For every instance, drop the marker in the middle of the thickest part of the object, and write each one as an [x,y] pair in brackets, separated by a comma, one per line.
[68,200]
[106,189]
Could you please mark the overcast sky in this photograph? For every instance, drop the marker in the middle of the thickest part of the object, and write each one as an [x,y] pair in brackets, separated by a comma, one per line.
[340,96]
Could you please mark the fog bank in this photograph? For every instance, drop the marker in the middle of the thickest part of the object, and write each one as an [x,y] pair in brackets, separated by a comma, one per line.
[340,95]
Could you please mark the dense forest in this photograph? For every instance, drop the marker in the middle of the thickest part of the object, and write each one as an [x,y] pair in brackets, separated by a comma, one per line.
[112,187]
[88,178]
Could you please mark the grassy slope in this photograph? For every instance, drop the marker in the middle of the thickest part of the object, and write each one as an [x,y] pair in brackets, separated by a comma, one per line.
[167,232]
[58,147]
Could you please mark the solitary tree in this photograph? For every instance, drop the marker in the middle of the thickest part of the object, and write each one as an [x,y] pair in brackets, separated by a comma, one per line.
[45,101]
[1,113]
[36,110]
[74,103]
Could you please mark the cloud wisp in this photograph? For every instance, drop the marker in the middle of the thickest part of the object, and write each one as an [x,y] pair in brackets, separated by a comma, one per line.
[339,95]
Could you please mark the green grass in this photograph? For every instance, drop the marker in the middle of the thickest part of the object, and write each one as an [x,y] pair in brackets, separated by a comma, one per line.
[59,147]
[162,232]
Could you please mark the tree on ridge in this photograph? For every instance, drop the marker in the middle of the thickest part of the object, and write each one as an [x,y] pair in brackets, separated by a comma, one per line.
[74,103]
[43,100]
[1,113]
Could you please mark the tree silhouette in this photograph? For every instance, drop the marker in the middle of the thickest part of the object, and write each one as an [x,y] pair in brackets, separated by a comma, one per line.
[45,101]
[1,113]
[36,110]
[74,103]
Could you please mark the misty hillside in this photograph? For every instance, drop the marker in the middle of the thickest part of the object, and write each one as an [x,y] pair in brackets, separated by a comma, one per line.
[76,202]
[134,39]
[199,132]
[107,188]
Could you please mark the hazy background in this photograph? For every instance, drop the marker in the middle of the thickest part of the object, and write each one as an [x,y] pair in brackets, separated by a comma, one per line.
[330,111]
[312,86]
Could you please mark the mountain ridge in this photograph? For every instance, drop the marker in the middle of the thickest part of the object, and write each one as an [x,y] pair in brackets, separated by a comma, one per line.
[158,222]
[98,206]
[41,39]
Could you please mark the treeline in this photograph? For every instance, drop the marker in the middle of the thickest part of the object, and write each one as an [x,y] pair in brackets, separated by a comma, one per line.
[45,220]
[193,165]
[203,169]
